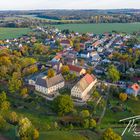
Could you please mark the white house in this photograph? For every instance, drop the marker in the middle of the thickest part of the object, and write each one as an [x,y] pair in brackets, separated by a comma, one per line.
[95,56]
[82,88]
[84,54]
[49,85]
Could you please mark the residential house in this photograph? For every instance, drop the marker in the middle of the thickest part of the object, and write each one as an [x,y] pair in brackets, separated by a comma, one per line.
[71,61]
[77,70]
[65,43]
[89,48]
[84,54]
[57,66]
[49,85]
[70,58]
[83,87]
[57,58]
[95,56]
[133,89]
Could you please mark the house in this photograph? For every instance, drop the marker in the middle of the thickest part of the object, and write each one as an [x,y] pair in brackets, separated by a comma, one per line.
[77,70]
[57,66]
[84,54]
[83,87]
[95,56]
[71,61]
[133,89]
[57,58]
[49,85]
[96,44]
[65,43]
[70,58]
[100,50]
[89,48]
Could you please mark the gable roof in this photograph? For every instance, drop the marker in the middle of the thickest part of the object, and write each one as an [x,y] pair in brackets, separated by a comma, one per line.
[74,68]
[49,82]
[65,42]
[85,82]
[135,87]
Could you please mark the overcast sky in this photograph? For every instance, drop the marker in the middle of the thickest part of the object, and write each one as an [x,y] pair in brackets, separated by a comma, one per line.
[67,4]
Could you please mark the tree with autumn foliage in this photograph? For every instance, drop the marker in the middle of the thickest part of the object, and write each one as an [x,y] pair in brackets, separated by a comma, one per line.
[51,73]
[15,82]
[26,130]
[109,134]
[65,69]
[123,96]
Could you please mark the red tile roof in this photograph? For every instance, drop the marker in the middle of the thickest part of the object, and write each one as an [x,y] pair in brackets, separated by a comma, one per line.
[74,68]
[57,56]
[65,42]
[135,87]
[85,82]
[89,79]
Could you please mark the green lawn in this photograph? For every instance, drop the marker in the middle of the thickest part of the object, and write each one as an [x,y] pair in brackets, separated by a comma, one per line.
[58,135]
[61,135]
[101,28]
[134,106]
[8,33]
[70,135]
[127,135]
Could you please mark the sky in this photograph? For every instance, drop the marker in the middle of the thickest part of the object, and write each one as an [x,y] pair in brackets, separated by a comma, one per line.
[67,4]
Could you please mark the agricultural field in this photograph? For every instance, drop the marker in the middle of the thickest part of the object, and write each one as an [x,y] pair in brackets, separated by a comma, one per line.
[101,28]
[8,33]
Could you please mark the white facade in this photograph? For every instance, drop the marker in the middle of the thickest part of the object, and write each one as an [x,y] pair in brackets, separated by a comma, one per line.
[76,91]
[85,55]
[49,90]
[31,82]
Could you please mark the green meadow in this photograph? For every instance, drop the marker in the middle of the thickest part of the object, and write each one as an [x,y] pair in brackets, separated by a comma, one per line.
[8,33]
[101,28]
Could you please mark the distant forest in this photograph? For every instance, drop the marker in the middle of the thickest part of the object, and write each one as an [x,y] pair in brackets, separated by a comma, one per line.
[23,18]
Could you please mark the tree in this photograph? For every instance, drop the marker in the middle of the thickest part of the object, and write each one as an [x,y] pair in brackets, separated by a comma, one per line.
[13,117]
[48,127]
[3,97]
[92,123]
[109,134]
[85,123]
[57,42]
[35,134]
[73,76]
[3,124]
[26,130]
[65,69]
[27,62]
[85,113]
[5,105]
[71,127]
[24,91]
[96,94]
[123,96]
[63,104]
[30,70]
[15,82]
[113,73]
[51,73]
[55,125]
[77,47]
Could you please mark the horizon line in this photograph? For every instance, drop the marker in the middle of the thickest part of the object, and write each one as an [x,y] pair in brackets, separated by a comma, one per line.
[69,9]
